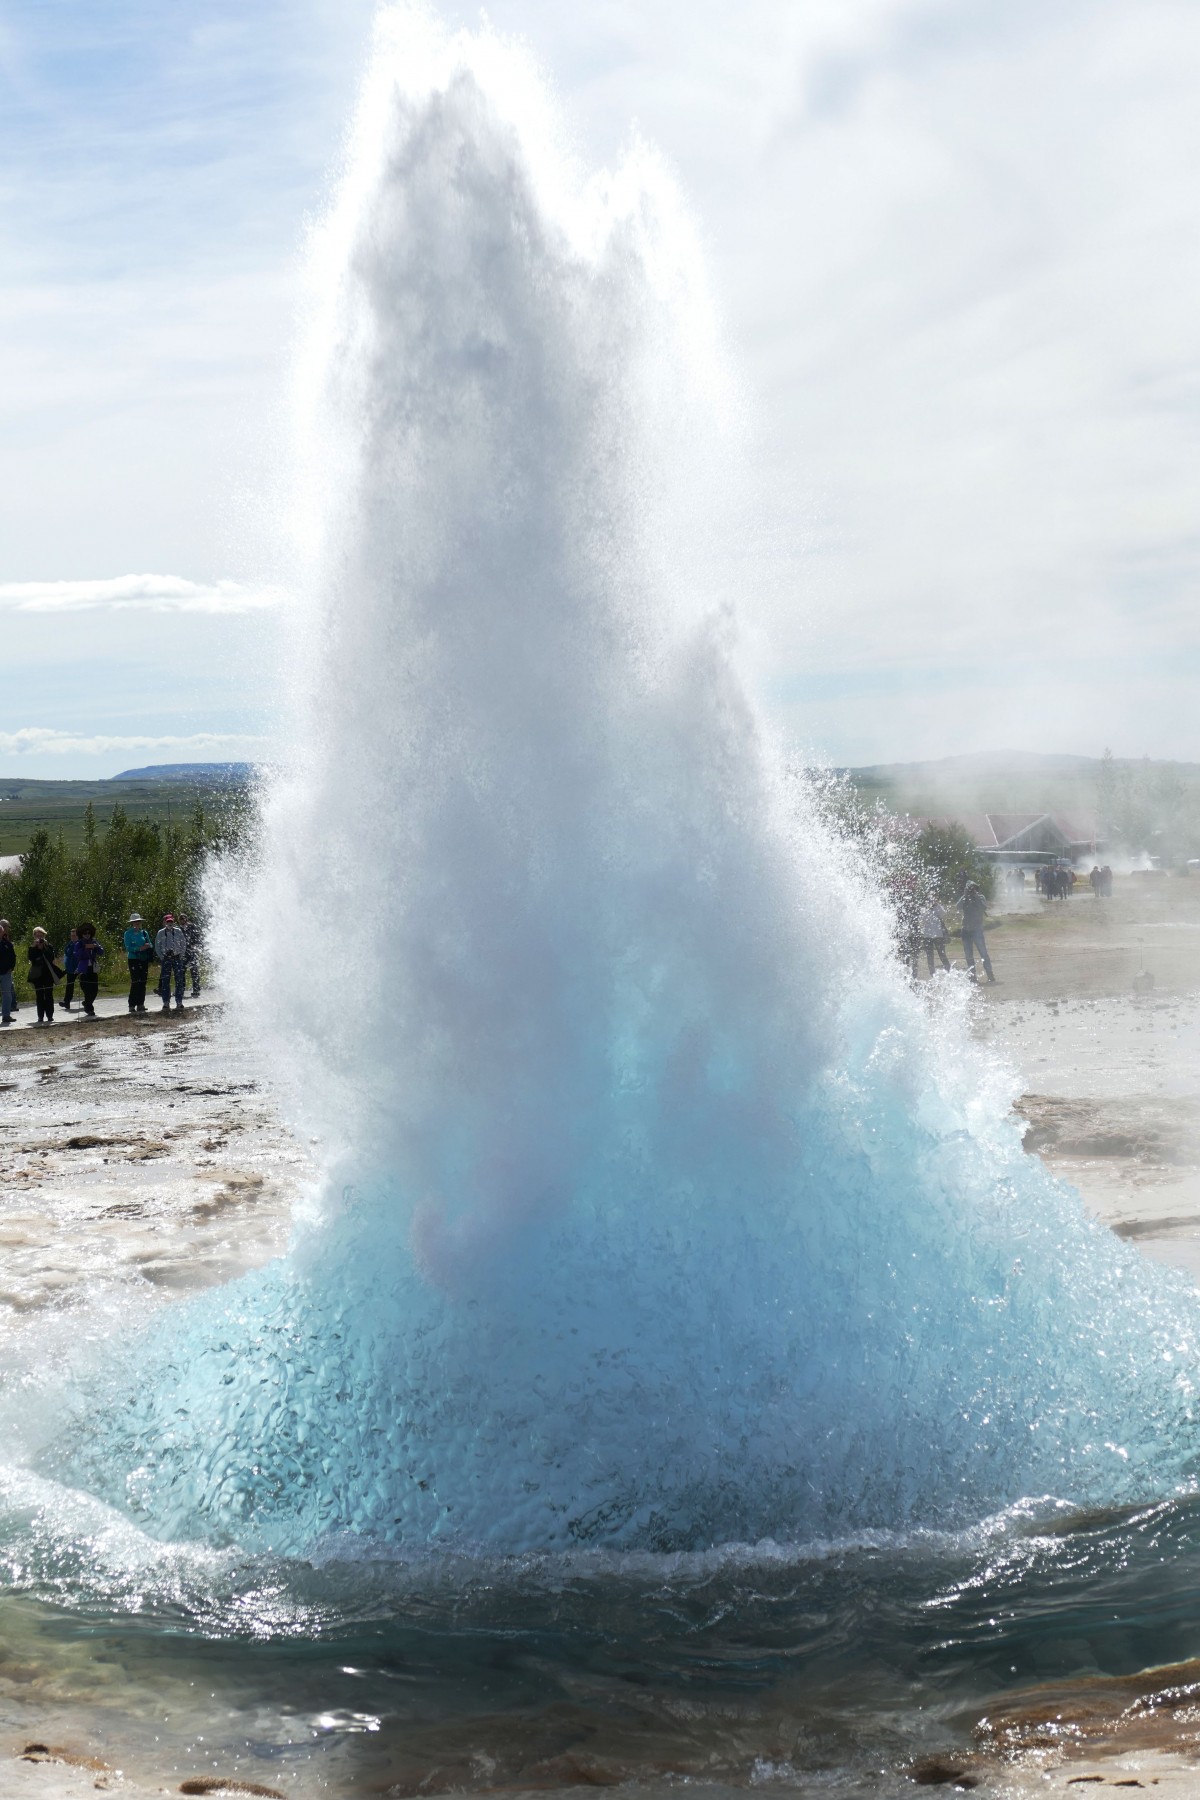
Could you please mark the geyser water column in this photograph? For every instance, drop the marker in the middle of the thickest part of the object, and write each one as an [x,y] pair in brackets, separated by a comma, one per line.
[657,1210]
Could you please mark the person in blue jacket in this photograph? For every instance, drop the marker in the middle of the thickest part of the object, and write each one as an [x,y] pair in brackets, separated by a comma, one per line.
[139,951]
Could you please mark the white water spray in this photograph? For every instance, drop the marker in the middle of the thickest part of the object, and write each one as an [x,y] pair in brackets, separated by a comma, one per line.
[656,1212]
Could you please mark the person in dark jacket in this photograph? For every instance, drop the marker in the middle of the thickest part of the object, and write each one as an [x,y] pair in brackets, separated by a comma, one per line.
[974,906]
[191,961]
[139,952]
[43,973]
[71,965]
[87,958]
[8,964]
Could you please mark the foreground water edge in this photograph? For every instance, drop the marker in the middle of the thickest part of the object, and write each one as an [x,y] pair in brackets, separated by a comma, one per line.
[863,1667]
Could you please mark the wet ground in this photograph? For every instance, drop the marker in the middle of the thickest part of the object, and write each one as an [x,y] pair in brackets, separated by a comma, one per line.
[140,1161]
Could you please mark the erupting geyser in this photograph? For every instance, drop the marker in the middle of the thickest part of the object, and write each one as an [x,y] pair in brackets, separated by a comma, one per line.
[657,1211]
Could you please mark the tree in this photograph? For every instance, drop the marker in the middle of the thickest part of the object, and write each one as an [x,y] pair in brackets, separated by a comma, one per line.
[949,859]
[1146,807]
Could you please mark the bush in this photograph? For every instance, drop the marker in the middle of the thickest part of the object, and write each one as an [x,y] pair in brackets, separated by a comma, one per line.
[949,860]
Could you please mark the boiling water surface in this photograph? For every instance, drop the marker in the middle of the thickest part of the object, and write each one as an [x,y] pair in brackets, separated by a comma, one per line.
[844,1665]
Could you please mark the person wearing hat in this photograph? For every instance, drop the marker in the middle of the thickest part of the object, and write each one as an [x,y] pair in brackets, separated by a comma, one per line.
[139,950]
[170,946]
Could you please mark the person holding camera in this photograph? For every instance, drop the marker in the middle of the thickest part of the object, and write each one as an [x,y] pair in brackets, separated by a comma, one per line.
[974,906]
[43,973]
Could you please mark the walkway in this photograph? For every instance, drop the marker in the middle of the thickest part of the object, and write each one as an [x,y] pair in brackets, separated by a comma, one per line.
[110,1008]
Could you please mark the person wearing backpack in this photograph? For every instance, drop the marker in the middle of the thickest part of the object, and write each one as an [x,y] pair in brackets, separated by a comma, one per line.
[87,958]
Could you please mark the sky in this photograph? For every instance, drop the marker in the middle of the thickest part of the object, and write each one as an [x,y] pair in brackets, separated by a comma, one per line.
[955,252]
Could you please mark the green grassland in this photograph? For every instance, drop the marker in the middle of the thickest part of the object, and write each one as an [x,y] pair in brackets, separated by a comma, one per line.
[61,806]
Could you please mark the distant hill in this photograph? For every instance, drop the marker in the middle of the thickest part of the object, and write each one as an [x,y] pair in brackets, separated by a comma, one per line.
[196,773]
[1145,804]
[1000,778]
[980,765]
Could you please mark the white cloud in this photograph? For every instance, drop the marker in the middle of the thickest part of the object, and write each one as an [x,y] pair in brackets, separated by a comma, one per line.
[202,746]
[956,249]
[963,279]
[137,593]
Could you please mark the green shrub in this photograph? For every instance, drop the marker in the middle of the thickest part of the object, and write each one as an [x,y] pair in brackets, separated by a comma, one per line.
[949,859]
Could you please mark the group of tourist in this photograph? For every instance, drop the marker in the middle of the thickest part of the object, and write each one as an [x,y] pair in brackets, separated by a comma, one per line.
[1054,881]
[175,947]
